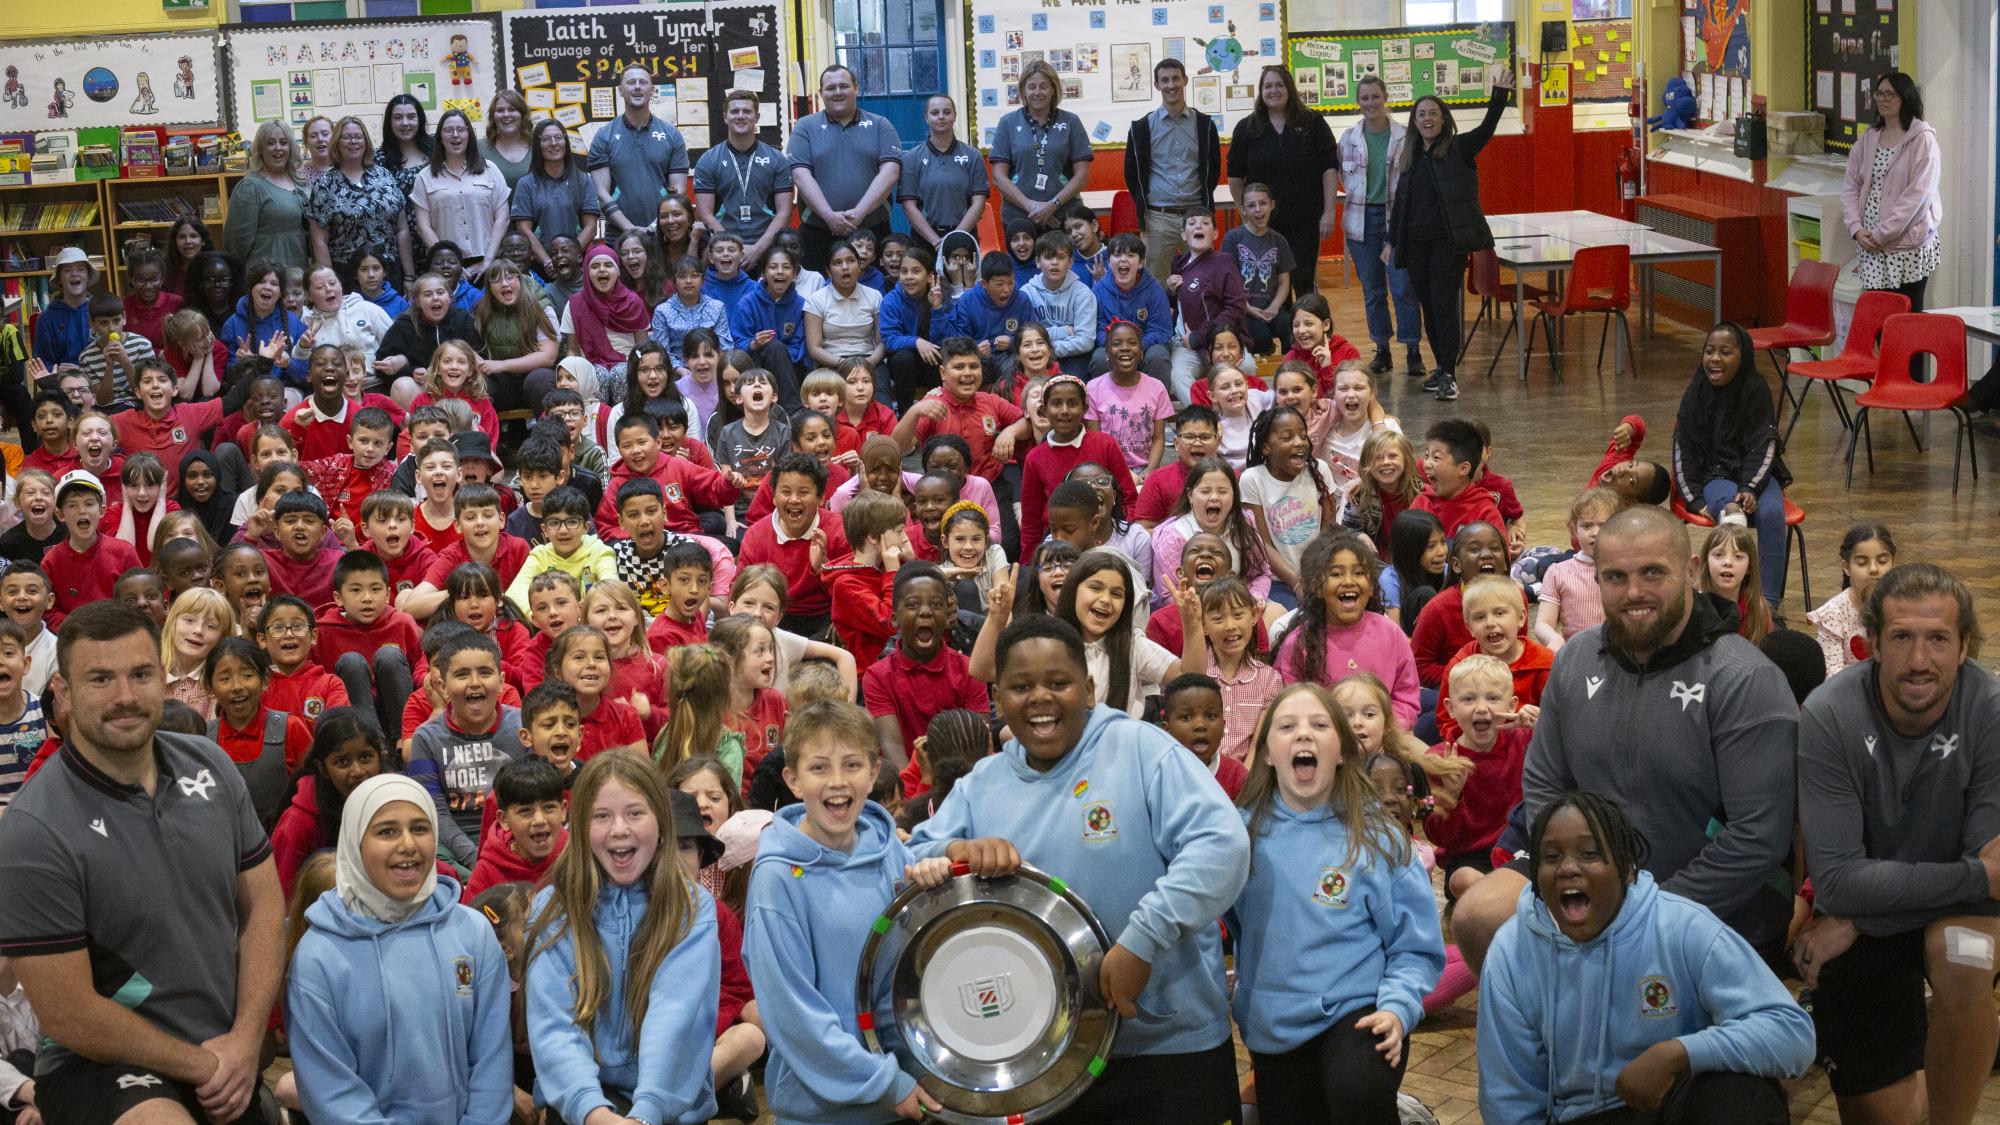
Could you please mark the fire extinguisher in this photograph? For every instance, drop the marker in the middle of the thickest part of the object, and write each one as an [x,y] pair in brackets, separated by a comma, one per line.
[1628,183]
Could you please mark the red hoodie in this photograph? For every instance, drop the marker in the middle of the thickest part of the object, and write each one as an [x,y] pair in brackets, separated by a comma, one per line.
[499,863]
[311,579]
[1616,456]
[1531,675]
[306,692]
[1472,504]
[687,485]
[863,613]
[736,990]
[1338,350]
[297,836]
[339,636]
[510,553]
[407,570]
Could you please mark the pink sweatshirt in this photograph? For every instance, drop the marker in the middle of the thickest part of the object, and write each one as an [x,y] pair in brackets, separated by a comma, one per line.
[1911,207]
[1374,644]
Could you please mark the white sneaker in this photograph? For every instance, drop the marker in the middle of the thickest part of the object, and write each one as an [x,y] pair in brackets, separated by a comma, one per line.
[1410,1111]
[1734,519]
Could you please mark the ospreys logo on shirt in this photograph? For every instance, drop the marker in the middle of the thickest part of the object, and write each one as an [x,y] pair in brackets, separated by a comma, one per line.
[461,975]
[1098,823]
[1656,997]
[1332,888]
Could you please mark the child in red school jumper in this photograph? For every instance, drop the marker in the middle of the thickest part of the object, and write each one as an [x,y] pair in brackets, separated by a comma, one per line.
[638,676]
[1496,619]
[1493,734]
[1440,630]
[236,675]
[53,418]
[756,708]
[168,430]
[1064,404]
[437,510]
[388,521]
[321,423]
[1197,435]
[189,346]
[1226,351]
[581,658]
[303,560]
[454,373]
[1316,344]
[923,675]
[1452,452]
[347,749]
[555,606]
[141,506]
[346,480]
[873,523]
[527,833]
[989,425]
[475,597]
[1504,496]
[299,684]
[482,539]
[1626,437]
[799,537]
[148,304]
[1192,712]
[684,485]
[368,642]
[689,575]
[859,409]
[674,439]
[812,434]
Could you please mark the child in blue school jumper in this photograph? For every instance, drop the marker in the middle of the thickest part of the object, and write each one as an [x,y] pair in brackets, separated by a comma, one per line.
[392,970]
[1611,1000]
[613,1026]
[1137,827]
[1337,929]
[826,867]
[991,315]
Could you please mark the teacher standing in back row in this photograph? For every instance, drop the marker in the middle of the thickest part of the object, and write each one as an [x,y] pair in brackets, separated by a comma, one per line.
[1040,154]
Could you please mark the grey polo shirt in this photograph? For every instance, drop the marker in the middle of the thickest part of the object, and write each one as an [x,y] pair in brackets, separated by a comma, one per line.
[145,885]
[555,206]
[943,183]
[844,159]
[640,160]
[1038,156]
[745,186]
[1176,155]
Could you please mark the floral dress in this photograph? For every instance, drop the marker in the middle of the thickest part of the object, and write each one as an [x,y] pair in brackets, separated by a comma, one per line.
[1897,268]
[359,216]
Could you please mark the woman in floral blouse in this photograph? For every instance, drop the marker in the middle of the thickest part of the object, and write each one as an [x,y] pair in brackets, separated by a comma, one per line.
[358,206]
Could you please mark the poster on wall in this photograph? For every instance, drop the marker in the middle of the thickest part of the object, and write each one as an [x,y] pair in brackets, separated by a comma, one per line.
[1602,50]
[135,80]
[295,72]
[1846,56]
[1105,54]
[567,65]
[1452,63]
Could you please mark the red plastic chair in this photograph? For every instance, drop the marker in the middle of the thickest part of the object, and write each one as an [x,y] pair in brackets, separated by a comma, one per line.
[1857,356]
[1483,281]
[1904,337]
[1795,520]
[1124,215]
[1600,281]
[1808,320]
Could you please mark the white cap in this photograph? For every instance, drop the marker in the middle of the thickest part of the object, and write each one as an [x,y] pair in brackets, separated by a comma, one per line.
[79,478]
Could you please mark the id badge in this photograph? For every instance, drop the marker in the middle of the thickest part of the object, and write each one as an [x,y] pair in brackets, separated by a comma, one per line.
[1042,182]
[743,213]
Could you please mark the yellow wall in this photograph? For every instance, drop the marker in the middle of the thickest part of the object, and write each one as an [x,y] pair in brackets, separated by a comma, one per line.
[1777,48]
[40,19]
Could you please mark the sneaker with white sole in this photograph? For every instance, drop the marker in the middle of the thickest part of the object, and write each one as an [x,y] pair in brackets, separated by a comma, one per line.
[1431,384]
[1447,387]
[1410,1111]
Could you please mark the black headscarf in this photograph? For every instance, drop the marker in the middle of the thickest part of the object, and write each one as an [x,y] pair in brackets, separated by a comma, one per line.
[214,514]
[1730,431]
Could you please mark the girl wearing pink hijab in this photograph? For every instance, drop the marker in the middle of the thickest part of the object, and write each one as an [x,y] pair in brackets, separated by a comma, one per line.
[604,321]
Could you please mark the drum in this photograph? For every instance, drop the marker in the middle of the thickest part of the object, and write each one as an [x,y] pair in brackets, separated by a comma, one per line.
[987,990]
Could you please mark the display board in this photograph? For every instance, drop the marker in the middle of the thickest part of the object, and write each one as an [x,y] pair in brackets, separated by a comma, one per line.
[80,83]
[294,72]
[1715,56]
[567,64]
[1602,54]
[1848,50]
[1452,63]
[1105,55]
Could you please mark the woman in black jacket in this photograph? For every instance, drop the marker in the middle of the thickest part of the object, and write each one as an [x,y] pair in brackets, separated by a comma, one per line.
[1288,148]
[413,339]
[1726,462]
[1436,222]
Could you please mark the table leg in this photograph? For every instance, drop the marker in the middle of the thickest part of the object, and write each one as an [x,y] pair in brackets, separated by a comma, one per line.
[1716,265]
[1521,337]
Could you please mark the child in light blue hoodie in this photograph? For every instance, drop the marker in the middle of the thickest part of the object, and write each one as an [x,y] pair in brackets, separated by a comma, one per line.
[1337,938]
[1065,304]
[826,867]
[1137,827]
[624,964]
[1611,1000]
[398,1002]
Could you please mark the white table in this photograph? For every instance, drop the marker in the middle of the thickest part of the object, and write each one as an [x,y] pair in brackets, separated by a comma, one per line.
[1981,322]
[1100,201]
[1548,242]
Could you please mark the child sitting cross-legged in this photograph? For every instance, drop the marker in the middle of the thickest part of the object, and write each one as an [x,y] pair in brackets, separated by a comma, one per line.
[364,640]
[828,865]
[1715,1034]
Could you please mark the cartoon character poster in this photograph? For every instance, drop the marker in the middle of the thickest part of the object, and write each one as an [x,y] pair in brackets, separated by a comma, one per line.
[1723,27]
[92,83]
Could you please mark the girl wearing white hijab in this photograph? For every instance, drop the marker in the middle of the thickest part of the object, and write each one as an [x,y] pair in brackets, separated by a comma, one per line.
[398,1000]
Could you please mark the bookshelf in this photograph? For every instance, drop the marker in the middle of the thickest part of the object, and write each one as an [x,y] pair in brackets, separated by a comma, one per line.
[102,216]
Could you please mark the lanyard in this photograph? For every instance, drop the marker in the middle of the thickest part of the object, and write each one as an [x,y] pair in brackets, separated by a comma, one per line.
[742,170]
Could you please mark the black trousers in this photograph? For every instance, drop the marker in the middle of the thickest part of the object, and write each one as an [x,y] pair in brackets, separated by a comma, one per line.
[1437,277]
[774,358]
[1302,235]
[1337,1075]
[817,241]
[1264,333]
[1741,1099]
[524,391]
[1198,1088]
[911,377]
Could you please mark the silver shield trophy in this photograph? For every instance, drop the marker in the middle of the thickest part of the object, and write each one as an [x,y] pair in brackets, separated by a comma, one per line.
[987,990]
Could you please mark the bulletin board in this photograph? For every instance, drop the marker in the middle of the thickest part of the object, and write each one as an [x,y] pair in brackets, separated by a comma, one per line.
[1452,63]
[295,72]
[567,63]
[82,83]
[1602,52]
[1848,50]
[1105,54]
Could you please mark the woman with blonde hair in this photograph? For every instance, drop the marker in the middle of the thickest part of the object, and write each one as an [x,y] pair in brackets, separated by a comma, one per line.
[1040,152]
[267,207]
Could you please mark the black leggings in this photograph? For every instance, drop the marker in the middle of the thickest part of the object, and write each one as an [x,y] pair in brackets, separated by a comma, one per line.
[1437,276]
[1338,1068]
[1197,1088]
[911,376]
[1302,235]
[1743,1099]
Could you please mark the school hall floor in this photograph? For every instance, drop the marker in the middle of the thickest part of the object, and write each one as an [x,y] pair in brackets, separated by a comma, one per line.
[1548,434]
